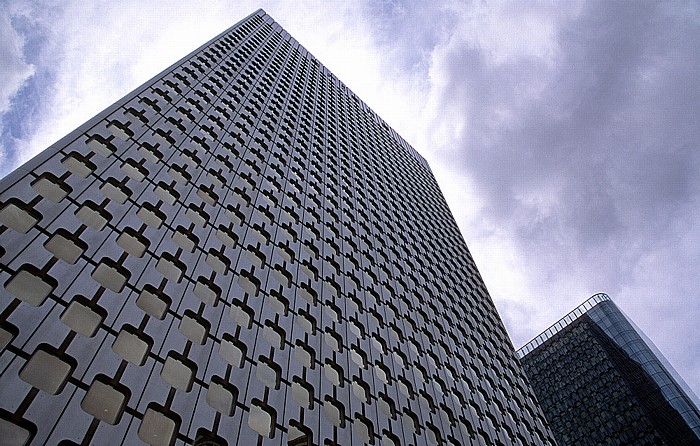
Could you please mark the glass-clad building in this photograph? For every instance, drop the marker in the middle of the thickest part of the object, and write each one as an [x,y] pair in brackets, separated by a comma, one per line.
[599,380]
[241,251]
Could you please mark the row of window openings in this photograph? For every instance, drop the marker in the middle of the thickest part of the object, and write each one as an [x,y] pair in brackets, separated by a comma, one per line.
[280,273]
[82,166]
[317,124]
[107,399]
[134,346]
[331,162]
[318,164]
[221,76]
[132,111]
[190,70]
[49,369]
[186,319]
[119,130]
[240,312]
[66,245]
[92,214]
[195,328]
[79,165]
[130,240]
[70,247]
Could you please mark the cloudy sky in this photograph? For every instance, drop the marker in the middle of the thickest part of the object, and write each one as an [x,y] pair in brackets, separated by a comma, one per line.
[564,135]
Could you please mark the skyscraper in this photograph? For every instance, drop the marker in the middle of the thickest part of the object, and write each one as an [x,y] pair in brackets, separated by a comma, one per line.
[241,251]
[599,381]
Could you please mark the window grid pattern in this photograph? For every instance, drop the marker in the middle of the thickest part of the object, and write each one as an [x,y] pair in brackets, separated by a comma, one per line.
[599,382]
[241,250]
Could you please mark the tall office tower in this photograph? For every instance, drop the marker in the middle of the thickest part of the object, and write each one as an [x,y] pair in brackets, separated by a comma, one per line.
[600,381]
[242,252]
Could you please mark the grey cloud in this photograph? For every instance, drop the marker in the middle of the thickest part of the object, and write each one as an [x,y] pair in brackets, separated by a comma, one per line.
[587,157]
[576,135]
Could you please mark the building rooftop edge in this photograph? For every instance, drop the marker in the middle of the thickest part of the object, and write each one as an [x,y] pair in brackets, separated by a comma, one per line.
[562,323]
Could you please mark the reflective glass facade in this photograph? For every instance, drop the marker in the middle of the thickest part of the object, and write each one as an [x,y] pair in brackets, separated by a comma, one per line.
[599,381]
[241,252]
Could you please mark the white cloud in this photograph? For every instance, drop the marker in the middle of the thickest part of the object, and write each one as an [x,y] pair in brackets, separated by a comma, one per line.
[14,69]
[96,53]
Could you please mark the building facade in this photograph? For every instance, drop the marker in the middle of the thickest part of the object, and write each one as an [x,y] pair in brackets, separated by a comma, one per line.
[242,252]
[600,381]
